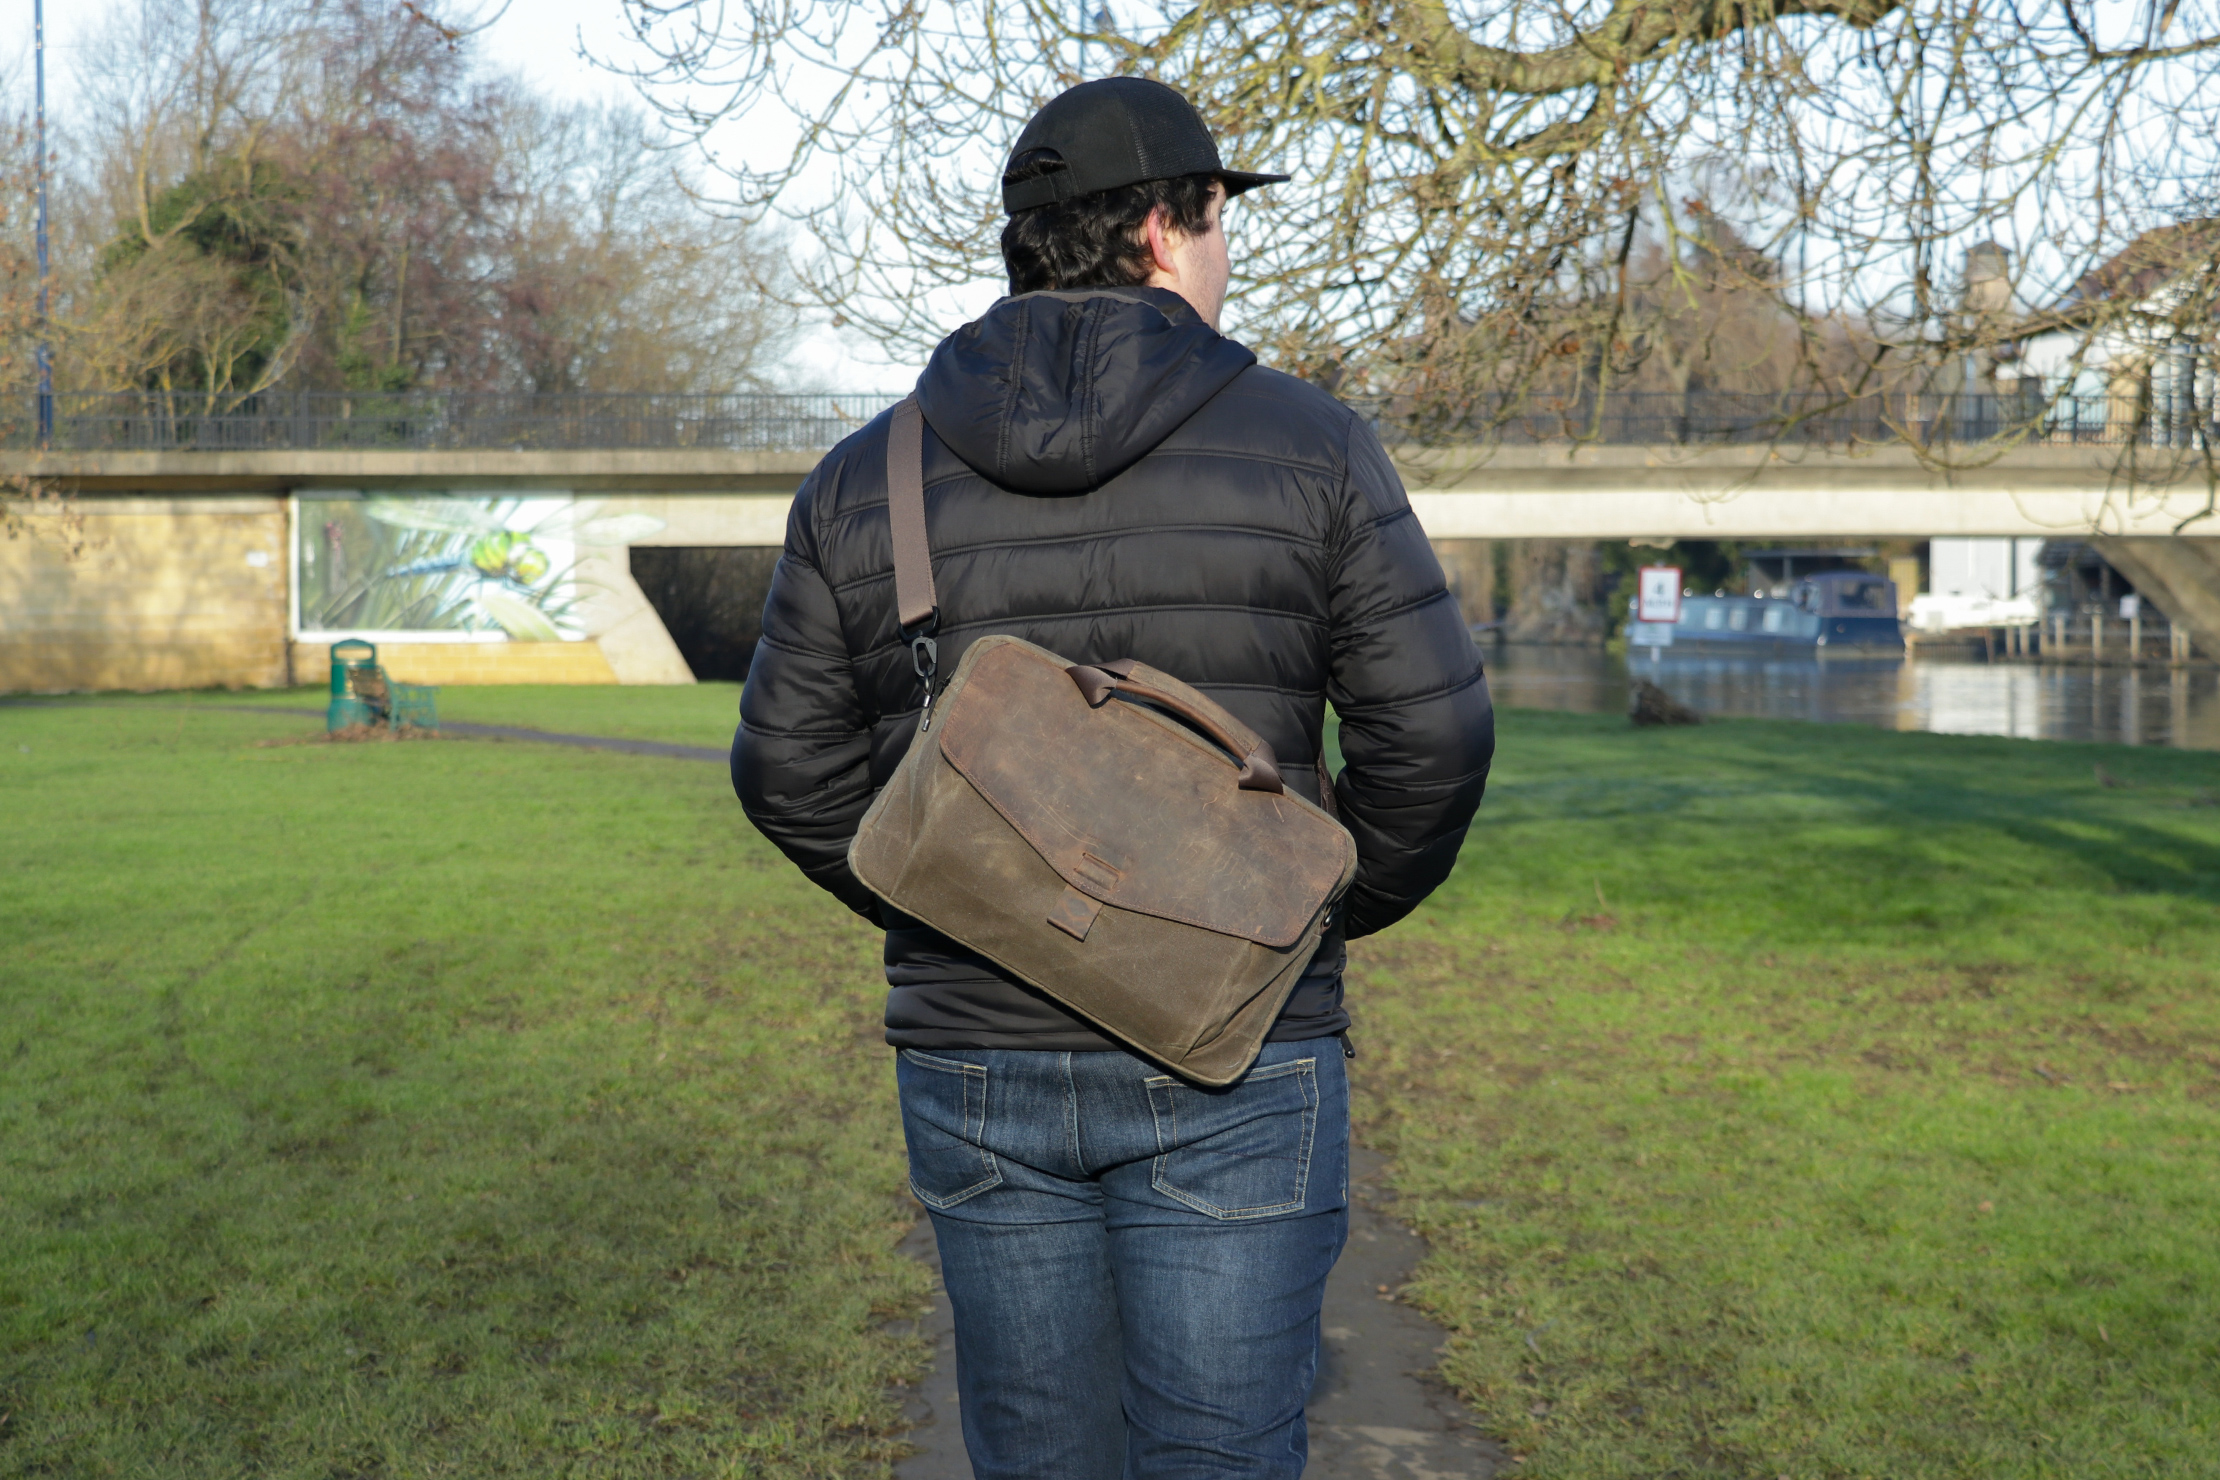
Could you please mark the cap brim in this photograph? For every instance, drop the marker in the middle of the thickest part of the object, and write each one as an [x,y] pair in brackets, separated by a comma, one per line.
[1240,180]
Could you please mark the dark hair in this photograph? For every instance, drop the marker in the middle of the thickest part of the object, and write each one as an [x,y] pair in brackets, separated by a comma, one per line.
[1094,241]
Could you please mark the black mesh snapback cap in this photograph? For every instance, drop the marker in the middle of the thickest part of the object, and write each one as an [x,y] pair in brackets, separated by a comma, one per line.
[1119,131]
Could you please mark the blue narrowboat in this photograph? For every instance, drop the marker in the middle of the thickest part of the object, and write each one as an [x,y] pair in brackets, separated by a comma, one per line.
[1837,613]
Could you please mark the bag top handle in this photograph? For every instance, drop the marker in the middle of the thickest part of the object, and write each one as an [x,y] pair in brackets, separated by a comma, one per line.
[1260,768]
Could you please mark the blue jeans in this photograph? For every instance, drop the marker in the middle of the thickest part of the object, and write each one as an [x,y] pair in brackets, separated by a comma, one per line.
[1135,1264]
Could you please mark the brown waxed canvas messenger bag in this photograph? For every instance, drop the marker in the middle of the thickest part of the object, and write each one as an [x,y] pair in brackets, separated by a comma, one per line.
[1105,833]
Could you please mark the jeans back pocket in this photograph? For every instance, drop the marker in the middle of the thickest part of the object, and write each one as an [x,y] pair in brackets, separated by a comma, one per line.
[944,1120]
[1239,1152]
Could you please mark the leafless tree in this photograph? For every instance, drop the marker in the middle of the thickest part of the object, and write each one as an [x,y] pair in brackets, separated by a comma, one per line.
[1477,179]
[338,195]
[611,276]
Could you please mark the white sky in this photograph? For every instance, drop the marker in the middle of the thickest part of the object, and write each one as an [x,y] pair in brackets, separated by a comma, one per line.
[540,39]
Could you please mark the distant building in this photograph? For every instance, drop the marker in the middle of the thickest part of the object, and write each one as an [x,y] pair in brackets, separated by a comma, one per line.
[1996,569]
[2132,343]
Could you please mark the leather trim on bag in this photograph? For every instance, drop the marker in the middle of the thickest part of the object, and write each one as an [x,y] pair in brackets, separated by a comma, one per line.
[1075,914]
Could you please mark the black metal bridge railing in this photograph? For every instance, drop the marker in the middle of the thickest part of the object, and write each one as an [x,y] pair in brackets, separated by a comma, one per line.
[776,422]
[1698,418]
[437,421]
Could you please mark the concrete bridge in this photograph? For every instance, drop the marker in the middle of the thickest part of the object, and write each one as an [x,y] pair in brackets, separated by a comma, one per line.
[732,497]
[162,574]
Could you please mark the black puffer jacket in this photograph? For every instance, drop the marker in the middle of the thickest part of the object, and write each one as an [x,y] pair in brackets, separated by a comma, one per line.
[1109,477]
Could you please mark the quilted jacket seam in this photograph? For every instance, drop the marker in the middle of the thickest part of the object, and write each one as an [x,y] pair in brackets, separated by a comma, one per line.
[1050,542]
[1378,521]
[1401,701]
[1090,391]
[801,652]
[894,645]
[1390,613]
[1010,395]
[753,728]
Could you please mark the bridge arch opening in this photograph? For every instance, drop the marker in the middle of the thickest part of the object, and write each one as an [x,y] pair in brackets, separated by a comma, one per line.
[710,598]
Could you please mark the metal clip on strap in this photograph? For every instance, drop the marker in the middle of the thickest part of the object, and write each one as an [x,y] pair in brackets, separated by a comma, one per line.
[925,660]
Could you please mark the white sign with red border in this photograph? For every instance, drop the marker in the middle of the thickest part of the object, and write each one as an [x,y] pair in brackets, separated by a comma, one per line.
[1658,594]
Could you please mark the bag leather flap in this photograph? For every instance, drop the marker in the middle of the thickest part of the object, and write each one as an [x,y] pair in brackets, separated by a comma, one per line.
[1134,809]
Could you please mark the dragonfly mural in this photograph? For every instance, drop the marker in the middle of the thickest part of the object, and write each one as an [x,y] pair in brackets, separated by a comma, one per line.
[451,564]
[501,566]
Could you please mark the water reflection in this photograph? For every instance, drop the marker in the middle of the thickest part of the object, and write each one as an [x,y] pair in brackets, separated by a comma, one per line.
[2129,706]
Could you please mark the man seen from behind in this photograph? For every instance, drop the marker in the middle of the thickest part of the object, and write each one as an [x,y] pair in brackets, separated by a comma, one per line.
[1135,1264]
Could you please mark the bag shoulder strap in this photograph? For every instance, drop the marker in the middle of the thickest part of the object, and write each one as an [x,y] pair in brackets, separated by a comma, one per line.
[915,600]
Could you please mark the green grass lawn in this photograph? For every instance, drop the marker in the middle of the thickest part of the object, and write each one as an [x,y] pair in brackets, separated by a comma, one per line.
[436,1109]
[1812,1101]
[1780,1100]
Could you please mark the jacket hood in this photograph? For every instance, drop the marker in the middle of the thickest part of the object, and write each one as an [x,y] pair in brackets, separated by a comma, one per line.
[1058,392]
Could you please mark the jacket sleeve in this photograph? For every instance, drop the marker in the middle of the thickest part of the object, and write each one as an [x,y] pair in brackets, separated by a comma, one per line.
[801,760]
[1417,729]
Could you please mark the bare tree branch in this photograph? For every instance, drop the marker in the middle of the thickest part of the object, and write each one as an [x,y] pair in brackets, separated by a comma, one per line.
[1468,171]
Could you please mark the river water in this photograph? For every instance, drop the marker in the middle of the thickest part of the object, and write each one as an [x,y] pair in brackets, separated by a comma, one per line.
[2126,706]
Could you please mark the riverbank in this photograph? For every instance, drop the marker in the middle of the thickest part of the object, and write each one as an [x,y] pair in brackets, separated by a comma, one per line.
[2117,704]
[1779,1099]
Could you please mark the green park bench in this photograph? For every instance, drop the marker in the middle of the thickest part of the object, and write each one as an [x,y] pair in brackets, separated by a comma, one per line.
[362,694]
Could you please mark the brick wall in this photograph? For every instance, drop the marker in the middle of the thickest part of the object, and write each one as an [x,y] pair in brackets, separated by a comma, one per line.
[190,594]
[166,594]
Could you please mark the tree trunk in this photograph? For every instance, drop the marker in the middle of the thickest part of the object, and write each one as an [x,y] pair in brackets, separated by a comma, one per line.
[1469,567]
[1556,593]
